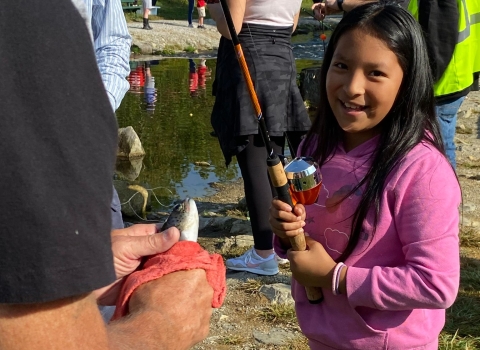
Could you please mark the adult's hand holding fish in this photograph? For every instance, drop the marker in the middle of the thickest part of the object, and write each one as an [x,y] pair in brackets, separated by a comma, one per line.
[178,306]
[129,246]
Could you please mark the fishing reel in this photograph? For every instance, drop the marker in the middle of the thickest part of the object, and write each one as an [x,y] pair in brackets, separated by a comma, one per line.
[304,179]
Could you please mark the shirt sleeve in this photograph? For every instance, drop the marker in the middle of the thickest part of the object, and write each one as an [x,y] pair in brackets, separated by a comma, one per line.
[59,138]
[112,43]
[426,218]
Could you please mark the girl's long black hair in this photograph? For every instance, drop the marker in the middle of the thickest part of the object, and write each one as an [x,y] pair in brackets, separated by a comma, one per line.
[411,119]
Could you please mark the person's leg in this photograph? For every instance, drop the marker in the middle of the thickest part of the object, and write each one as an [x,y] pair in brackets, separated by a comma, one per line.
[116,207]
[258,195]
[191,4]
[447,118]
[146,4]
[201,14]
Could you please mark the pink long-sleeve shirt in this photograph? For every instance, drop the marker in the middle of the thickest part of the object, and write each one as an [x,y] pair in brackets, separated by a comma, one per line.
[401,279]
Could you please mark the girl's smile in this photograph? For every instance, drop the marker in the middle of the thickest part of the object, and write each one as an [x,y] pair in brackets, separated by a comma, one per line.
[362,84]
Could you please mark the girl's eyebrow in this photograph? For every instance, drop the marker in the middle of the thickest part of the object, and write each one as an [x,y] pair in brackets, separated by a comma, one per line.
[339,56]
[370,65]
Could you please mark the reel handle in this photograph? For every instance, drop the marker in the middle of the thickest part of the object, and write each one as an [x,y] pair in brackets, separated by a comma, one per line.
[280,182]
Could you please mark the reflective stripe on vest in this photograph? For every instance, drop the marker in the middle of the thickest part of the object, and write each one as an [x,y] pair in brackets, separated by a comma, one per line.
[459,73]
[474,9]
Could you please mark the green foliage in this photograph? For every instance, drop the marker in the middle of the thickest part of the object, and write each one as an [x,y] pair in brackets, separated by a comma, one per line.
[167,51]
[190,49]
[135,49]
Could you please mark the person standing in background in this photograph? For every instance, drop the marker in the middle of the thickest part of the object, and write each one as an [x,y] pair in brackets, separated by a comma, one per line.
[111,42]
[201,13]
[191,5]
[264,31]
[146,6]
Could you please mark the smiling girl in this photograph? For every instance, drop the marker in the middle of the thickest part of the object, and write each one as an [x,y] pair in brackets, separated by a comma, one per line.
[383,234]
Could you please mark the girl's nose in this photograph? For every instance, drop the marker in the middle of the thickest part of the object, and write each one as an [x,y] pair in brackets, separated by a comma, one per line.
[355,84]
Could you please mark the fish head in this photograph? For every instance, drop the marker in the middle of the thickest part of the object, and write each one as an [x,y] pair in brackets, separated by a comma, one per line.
[184,216]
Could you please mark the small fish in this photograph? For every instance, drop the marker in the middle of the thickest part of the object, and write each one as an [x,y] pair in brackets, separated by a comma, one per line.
[184,216]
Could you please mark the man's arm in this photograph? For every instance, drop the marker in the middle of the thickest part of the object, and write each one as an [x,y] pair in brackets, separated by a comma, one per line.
[172,312]
[112,43]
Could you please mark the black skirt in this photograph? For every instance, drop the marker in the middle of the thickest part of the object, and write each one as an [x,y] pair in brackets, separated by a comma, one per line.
[270,60]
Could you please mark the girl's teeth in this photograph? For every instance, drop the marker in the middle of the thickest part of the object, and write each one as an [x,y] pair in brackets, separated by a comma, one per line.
[348,105]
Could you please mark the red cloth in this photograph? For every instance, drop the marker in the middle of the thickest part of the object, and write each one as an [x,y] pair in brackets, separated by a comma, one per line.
[200,3]
[184,255]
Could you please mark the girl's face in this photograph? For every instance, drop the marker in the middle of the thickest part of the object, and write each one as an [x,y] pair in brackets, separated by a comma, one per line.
[362,83]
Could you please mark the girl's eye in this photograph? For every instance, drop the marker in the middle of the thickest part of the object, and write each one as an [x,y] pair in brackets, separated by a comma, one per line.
[377,73]
[339,65]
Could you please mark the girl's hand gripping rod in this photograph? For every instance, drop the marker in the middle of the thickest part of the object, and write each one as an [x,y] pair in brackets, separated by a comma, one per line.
[275,166]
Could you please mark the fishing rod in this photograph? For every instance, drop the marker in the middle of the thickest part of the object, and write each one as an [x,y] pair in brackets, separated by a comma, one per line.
[274,164]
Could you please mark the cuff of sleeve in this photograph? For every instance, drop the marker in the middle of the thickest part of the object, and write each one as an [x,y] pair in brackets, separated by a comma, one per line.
[359,287]
[279,248]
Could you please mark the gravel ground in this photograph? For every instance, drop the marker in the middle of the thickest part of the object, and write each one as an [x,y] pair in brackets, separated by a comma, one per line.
[173,36]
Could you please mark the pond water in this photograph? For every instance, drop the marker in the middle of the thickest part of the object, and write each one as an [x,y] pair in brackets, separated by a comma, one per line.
[169,106]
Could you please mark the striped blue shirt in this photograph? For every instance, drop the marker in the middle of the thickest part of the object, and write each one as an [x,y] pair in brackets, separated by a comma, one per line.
[112,42]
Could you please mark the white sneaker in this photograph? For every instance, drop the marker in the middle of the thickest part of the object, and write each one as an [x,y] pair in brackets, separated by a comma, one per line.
[252,262]
[281,261]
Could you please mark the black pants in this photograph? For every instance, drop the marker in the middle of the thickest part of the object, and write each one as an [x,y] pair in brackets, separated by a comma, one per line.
[259,191]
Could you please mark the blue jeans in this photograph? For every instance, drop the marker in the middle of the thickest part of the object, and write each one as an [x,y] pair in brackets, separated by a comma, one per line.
[191,4]
[447,118]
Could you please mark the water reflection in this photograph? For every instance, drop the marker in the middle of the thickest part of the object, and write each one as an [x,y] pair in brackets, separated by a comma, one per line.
[198,76]
[169,105]
[143,82]
[311,46]
[174,128]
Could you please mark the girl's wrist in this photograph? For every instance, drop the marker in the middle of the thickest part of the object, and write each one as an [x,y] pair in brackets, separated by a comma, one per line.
[339,279]
[342,285]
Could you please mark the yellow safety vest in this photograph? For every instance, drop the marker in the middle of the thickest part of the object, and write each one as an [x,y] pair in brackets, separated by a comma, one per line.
[466,56]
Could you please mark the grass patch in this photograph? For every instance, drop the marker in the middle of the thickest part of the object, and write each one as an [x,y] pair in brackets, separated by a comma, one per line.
[190,49]
[235,251]
[251,286]
[462,330]
[469,237]
[231,340]
[236,213]
[167,51]
[135,49]
[280,313]
[469,165]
